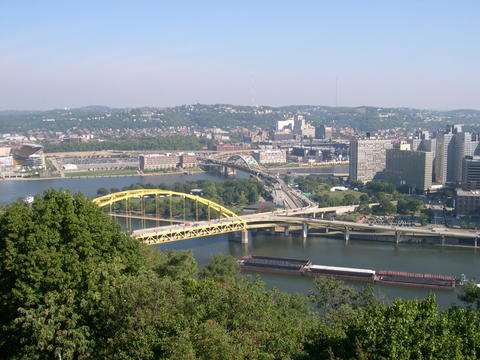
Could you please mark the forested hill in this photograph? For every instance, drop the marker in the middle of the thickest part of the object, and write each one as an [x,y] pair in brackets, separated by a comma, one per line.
[364,118]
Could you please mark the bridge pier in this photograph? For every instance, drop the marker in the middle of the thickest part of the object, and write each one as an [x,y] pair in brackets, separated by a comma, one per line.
[443,240]
[245,237]
[476,242]
[346,234]
[229,171]
[397,237]
[305,230]
[287,230]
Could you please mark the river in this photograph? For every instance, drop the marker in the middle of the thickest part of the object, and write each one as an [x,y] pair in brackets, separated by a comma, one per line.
[11,190]
[372,255]
[363,254]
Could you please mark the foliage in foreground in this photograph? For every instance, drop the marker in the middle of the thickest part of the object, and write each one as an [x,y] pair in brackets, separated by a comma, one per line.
[73,286]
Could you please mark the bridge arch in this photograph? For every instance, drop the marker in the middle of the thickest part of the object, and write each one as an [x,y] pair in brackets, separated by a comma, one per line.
[109,199]
[228,221]
[246,160]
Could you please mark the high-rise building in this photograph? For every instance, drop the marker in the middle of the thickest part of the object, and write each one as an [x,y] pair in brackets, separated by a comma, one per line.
[409,167]
[467,202]
[285,124]
[423,141]
[471,173]
[443,150]
[293,126]
[323,132]
[299,123]
[367,158]
[451,147]
[465,144]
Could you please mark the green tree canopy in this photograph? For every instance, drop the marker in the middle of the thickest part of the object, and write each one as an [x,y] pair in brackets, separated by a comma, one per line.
[57,257]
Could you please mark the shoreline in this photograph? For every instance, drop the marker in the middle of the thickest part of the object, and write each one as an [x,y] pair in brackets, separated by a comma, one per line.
[320,165]
[193,172]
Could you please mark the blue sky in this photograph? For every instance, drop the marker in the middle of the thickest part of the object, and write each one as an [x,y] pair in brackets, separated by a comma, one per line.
[133,53]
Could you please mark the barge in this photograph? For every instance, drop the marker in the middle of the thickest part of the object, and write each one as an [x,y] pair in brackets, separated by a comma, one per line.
[306,268]
[415,279]
[273,265]
[343,273]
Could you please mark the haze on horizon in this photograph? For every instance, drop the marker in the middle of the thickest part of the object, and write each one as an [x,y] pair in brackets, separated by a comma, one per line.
[59,54]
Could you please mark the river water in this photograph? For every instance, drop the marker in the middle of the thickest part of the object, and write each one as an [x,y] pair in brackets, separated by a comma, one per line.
[364,254]
[11,190]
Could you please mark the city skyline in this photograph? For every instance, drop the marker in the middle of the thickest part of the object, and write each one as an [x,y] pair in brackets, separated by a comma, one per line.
[122,54]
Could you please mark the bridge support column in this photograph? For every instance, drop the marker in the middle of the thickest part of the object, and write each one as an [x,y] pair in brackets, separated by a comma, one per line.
[245,237]
[346,234]
[321,215]
[287,230]
[397,237]
[443,240]
[314,215]
[305,230]
[326,230]
[476,242]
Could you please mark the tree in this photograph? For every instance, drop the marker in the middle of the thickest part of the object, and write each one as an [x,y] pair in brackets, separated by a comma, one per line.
[470,294]
[384,206]
[381,186]
[405,206]
[356,184]
[330,294]
[221,268]
[74,286]
[57,257]
[349,199]
[404,329]
[177,265]
[242,200]
[427,215]
[364,198]
[102,191]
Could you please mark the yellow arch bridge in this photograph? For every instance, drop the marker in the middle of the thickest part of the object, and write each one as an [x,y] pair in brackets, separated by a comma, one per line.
[178,216]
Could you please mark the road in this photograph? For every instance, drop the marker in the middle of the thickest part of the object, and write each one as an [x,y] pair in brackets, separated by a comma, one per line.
[280,217]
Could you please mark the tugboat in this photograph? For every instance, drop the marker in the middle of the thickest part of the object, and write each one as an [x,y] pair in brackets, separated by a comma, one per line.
[463,280]
[28,199]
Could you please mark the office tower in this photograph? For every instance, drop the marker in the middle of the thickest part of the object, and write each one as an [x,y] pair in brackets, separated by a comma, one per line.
[444,147]
[367,158]
[467,202]
[299,123]
[409,167]
[286,124]
[471,173]
[323,132]
[451,147]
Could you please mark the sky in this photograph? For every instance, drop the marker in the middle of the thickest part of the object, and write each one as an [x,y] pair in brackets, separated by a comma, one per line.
[56,54]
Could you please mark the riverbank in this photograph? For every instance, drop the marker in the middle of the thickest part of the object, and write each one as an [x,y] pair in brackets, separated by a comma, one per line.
[92,175]
[294,166]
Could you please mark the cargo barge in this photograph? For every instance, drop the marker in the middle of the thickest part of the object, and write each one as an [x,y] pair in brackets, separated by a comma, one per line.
[273,265]
[343,273]
[306,268]
[415,279]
